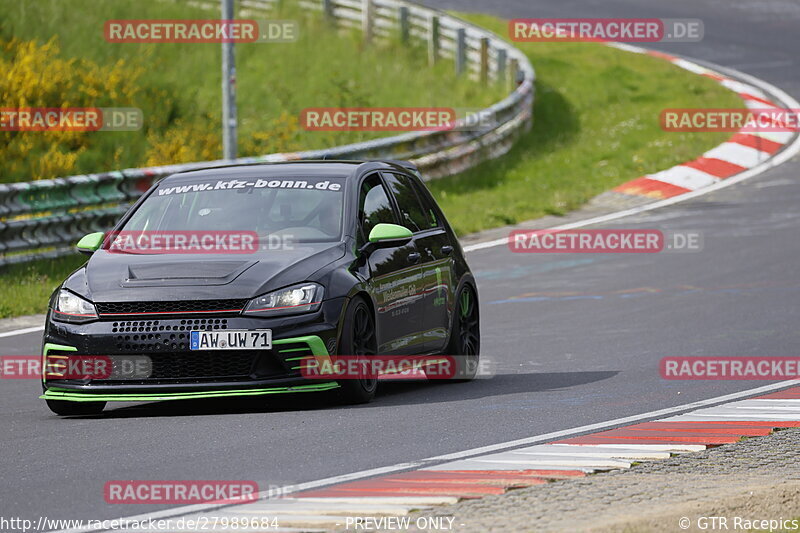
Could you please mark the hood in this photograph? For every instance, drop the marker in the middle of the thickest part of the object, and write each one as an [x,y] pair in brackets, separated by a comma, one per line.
[119,277]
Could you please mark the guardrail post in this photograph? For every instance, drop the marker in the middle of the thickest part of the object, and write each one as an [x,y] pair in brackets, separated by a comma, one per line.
[513,72]
[433,42]
[501,65]
[13,235]
[405,25]
[16,202]
[368,19]
[461,51]
[5,196]
[84,190]
[327,9]
[62,233]
[484,59]
[3,246]
[108,186]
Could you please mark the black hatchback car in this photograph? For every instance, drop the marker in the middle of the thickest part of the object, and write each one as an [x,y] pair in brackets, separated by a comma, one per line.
[220,282]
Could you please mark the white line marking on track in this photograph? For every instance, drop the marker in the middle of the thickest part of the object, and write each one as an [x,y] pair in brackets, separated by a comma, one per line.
[693,67]
[397,500]
[545,462]
[780,137]
[483,466]
[672,448]
[738,154]
[739,87]
[732,417]
[627,48]
[686,177]
[595,450]
[755,104]
[22,331]
[301,506]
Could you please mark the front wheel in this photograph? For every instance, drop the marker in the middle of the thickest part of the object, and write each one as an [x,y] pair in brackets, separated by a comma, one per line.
[465,337]
[358,339]
[63,408]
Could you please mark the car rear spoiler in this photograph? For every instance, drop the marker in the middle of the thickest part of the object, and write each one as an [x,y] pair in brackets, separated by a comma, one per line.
[404,164]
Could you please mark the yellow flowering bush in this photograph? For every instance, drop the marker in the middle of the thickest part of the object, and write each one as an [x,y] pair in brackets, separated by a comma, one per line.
[34,75]
[184,142]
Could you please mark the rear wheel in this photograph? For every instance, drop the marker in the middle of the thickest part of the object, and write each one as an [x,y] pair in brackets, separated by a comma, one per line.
[465,338]
[358,339]
[63,408]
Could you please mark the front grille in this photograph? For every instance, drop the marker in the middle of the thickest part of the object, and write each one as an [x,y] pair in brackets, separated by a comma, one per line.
[177,307]
[195,365]
[160,335]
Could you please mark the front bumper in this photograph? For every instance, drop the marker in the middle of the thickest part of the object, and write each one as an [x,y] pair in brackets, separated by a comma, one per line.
[176,373]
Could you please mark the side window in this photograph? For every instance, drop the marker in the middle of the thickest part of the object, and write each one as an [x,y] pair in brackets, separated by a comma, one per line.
[415,216]
[374,206]
[432,218]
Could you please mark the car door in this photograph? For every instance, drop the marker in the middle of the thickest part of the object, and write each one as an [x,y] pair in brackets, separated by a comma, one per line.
[395,279]
[436,261]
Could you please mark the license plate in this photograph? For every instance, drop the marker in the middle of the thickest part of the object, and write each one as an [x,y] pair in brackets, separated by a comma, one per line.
[231,339]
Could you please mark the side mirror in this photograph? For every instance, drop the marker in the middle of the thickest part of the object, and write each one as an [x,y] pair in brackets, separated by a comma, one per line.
[387,236]
[90,243]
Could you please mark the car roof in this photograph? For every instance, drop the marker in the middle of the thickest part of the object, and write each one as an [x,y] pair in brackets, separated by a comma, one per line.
[317,169]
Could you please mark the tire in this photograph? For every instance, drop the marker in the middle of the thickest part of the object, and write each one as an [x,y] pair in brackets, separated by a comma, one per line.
[64,408]
[358,338]
[465,335]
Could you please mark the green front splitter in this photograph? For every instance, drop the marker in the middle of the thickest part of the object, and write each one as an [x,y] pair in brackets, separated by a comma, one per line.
[71,396]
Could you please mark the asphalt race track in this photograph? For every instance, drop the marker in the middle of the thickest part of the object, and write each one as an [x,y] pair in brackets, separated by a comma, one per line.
[581,346]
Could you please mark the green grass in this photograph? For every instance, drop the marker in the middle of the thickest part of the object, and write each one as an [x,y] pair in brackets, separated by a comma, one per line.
[180,83]
[26,287]
[596,125]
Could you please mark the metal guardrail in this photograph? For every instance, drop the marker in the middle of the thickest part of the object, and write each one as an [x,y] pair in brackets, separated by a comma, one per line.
[42,219]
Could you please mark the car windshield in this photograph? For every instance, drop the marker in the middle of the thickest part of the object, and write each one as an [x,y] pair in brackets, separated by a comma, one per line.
[301,209]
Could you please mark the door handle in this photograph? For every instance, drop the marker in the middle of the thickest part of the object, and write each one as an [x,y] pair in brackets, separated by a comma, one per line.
[447,249]
[414,257]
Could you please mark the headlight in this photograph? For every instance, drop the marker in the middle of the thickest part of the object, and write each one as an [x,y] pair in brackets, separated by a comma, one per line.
[292,300]
[70,307]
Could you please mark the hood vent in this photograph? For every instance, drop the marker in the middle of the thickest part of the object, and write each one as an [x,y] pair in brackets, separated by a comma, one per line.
[184,273]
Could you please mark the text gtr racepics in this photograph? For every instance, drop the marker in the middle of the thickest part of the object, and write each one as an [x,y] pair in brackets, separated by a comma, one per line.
[221,282]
